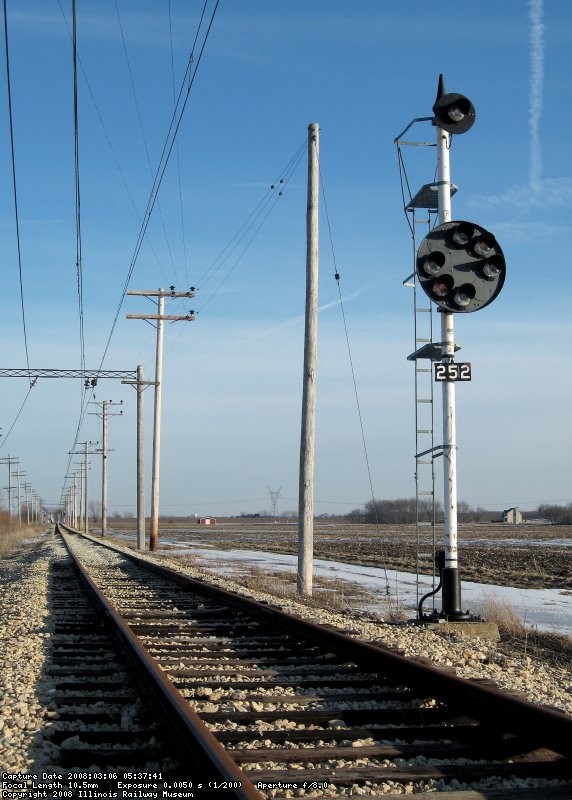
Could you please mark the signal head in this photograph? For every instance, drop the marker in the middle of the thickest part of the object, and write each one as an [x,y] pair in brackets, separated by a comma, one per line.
[454,112]
[461,266]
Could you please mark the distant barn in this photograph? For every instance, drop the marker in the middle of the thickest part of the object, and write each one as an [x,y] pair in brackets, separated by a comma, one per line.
[206,521]
[512,516]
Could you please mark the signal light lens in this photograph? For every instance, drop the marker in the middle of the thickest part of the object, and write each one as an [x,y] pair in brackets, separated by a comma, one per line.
[433,263]
[493,267]
[455,113]
[464,295]
[463,234]
[484,246]
[442,285]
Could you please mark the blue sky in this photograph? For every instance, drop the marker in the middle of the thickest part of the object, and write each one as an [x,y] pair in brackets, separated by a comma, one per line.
[233,377]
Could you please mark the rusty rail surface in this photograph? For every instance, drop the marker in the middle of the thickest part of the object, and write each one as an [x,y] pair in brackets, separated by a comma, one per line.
[196,742]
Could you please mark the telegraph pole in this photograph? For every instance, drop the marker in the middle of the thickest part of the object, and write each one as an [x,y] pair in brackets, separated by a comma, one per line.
[84,468]
[10,461]
[308,431]
[27,496]
[104,414]
[17,474]
[71,515]
[140,385]
[159,318]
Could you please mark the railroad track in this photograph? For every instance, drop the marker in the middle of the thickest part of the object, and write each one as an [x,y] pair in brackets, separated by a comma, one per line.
[267,704]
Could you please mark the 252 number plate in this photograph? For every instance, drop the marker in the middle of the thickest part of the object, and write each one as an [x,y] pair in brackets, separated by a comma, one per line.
[453,371]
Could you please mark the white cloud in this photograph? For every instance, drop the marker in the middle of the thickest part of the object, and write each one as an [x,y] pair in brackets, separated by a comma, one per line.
[542,194]
[536,88]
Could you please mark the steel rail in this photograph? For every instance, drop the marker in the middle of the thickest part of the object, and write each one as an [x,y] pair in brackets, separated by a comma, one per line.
[196,741]
[540,725]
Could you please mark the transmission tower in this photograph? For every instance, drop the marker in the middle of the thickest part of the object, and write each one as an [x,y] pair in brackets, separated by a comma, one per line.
[274,500]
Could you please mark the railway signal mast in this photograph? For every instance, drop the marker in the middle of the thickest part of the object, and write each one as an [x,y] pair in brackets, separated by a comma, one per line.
[461,268]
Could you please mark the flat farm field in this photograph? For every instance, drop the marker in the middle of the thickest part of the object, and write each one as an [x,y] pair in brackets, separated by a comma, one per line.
[527,555]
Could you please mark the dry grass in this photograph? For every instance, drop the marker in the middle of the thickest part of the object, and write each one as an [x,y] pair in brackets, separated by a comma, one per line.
[328,593]
[522,641]
[12,535]
[504,615]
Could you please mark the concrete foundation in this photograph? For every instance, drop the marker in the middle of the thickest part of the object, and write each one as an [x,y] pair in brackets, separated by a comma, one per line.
[482,629]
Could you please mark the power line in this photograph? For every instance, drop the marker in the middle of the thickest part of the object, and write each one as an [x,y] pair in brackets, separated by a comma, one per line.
[252,225]
[14,189]
[79,265]
[351,363]
[186,86]
[109,141]
[180,186]
[144,138]
[182,100]
[17,417]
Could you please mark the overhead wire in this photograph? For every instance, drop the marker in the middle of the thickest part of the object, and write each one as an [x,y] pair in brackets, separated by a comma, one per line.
[110,142]
[182,100]
[352,368]
[176,118]
[17,417]
[15,193]
[144,138]
[251,225]
[79,260]
[180,182]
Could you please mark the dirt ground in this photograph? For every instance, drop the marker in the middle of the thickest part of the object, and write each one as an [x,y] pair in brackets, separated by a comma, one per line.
[527,556]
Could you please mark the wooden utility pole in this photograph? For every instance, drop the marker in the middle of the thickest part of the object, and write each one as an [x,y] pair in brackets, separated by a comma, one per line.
[10,461]
[71,516]
[27,500]
[86,496]
[104,414]
[156,460]
[84,467]
[140,385]
[159,318]
[17,474]
[308,433]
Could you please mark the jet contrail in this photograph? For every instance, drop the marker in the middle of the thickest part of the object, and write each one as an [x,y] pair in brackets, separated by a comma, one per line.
[535,10]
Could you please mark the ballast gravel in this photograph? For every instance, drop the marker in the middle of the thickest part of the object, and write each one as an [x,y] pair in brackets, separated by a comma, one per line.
[27,710]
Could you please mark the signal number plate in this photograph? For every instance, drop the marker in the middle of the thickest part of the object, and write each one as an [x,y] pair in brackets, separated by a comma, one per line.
[452,371]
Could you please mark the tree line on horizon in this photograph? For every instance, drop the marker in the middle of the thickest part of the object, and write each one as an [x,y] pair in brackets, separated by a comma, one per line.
[400,511]
[406,510]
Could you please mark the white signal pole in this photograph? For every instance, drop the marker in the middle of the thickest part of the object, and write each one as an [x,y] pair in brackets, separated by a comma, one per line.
[308,432]
[451,591]
[160,317]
